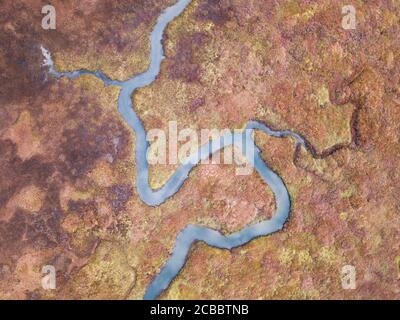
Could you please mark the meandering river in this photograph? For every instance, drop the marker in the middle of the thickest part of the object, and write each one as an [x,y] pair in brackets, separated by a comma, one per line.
[151,197]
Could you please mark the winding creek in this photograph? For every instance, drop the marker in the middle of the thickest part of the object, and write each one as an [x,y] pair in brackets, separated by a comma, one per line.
[243,141]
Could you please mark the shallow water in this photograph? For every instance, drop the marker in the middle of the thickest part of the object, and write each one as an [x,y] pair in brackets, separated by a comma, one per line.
[243,141]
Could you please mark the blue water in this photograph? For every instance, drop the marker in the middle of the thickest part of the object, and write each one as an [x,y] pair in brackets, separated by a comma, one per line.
[243,141]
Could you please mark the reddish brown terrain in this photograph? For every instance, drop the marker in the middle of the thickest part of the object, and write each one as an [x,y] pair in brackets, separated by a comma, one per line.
[67,190]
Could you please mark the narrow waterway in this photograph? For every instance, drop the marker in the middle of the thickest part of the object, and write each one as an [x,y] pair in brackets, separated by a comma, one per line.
[243,141]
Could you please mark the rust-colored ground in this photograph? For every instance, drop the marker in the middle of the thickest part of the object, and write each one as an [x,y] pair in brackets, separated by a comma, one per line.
[67,188]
